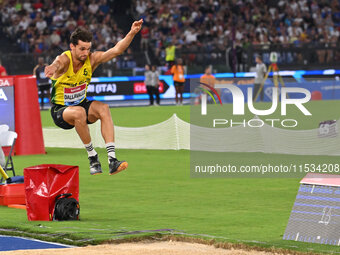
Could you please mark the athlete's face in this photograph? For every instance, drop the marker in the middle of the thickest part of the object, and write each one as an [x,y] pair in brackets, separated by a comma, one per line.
[81,50]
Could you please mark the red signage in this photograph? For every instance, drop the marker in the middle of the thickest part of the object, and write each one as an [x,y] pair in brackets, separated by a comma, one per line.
[140,88]
[322,179]
[6,82]
[75,89]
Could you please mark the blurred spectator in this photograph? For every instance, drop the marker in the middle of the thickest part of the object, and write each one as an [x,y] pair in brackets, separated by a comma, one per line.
[103,8]
[42,81]
[170,52]
[24,22]
[261,71]
[71,24]
[177,71]
[152,83]
[93,7]
[207,78]
[141,6]
[40,23]
[37,5]
[65,13]
[145,34]
[126,60]
[3,71]
[55,38]
[81,22]
[57,19]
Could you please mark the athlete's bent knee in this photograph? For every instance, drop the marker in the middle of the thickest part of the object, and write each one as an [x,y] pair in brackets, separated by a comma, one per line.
[104,110]
[79,114]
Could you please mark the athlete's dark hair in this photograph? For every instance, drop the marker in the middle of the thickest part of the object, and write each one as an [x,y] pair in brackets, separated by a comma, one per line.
[80,34]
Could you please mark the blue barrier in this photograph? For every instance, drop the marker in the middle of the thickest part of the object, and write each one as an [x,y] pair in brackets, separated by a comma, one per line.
[329,89]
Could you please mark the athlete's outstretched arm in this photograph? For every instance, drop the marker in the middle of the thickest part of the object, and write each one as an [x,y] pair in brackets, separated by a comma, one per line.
[57,66]
[99,57]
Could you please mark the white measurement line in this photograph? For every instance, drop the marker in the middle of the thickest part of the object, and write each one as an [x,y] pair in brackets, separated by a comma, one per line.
[297,236]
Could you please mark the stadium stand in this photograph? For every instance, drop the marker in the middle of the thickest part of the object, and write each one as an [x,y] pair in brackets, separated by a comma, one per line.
[218,32]
[44,27]
[203,30]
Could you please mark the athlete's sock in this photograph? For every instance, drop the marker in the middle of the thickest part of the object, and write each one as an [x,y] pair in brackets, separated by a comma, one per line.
[90,150]
[110,147]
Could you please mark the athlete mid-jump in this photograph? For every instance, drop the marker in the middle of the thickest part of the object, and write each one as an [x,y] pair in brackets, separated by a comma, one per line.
[71,73]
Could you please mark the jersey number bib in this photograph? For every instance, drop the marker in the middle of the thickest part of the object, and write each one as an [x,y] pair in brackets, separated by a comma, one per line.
[73,96]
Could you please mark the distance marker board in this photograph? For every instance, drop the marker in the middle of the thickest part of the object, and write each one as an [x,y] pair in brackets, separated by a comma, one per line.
[315,217]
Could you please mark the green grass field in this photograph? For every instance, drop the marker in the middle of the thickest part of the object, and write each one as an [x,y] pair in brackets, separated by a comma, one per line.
[156,192]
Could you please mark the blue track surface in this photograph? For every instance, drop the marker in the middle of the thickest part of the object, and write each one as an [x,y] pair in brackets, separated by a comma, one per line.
[11,243]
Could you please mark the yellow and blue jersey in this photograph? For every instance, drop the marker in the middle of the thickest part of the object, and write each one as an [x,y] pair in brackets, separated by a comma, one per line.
[71,88]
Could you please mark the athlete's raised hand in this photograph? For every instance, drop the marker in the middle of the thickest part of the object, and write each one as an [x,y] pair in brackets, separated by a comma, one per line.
[50,70]
[136,26]
[100,57]
[58,65]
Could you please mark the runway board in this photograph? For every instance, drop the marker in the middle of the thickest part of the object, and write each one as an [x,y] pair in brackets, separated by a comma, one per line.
[13,243]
